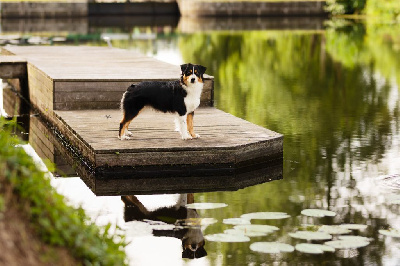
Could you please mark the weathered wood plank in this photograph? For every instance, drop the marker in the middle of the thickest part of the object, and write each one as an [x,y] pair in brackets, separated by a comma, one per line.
[12,67]
[40,89]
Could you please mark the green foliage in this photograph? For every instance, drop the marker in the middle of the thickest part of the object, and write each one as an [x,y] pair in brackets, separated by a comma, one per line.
[55,221]
[339,7]
[387,9]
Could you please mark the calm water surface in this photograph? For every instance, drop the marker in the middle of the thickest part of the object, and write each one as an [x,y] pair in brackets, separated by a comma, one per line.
[333,93]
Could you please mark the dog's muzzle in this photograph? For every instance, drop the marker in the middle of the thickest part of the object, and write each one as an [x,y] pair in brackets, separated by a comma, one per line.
[192,80]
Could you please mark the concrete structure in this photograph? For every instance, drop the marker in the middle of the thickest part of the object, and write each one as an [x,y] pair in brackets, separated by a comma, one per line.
[38,9]
[201,8]
[81,8]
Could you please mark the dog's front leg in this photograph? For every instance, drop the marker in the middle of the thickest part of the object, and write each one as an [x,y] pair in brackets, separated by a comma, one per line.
[183,127]
[190,126]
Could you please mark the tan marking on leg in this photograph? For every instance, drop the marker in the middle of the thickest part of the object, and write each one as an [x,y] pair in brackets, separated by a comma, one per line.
[126,124]
[190,125]
[122,128]
[190,198]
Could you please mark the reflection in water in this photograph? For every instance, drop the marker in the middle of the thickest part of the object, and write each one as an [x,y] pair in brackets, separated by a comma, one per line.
[335,97]
[183,219]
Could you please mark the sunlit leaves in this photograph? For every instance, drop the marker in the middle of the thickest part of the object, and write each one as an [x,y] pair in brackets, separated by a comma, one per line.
[246,232]
[271,247]
[334,230]
[345,244]
[205,205]
[257,228]
[308,235]
[313,248]
[354,226]
[236,221]
[227,238]
[390,232]
[355,238]
[317,213]
[265,215]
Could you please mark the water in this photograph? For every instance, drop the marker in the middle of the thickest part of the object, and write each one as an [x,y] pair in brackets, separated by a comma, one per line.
[334,94]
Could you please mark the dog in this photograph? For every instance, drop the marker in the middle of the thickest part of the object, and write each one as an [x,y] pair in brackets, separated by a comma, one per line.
[181,97]
[191,235]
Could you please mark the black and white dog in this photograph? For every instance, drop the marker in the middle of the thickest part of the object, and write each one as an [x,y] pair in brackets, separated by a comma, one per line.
[181,97]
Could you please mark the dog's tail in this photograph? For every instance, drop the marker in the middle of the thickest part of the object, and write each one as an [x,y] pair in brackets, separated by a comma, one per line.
[129,90]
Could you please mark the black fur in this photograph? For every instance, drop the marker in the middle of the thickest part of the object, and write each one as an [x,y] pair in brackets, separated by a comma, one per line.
[163,96]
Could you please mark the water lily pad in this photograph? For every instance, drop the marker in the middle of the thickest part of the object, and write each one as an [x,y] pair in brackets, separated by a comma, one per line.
[227,238]
[256,228]
[355,238]
[345,244]
[334,230]
[309,235]
[314,248]
[390,232]
[246,233]
[317,213]
[236,221]
[205,205]
[354,226]
[271,247]
[393,199]
[265,215]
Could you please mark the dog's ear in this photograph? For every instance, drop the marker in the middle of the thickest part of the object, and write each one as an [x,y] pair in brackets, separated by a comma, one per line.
[184,67]
[202,69]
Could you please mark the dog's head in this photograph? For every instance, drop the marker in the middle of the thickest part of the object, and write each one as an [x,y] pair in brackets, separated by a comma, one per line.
[192,74]
[193,244]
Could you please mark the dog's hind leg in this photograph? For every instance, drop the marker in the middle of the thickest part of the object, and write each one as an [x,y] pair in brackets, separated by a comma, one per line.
[123,126]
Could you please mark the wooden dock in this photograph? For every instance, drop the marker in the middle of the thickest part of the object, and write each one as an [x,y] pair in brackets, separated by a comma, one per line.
[77,91]
[83,77]
[12,67]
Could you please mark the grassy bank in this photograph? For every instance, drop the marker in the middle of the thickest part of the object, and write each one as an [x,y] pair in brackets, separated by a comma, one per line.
[27,191]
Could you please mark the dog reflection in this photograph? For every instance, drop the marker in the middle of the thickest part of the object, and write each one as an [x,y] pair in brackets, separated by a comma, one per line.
[191,236]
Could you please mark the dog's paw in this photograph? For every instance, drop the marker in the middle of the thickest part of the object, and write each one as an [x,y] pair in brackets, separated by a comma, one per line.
[186,137]
[196,136]
[128,133]
[124,137]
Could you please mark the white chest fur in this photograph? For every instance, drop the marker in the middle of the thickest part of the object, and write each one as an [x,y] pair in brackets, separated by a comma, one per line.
[192,99]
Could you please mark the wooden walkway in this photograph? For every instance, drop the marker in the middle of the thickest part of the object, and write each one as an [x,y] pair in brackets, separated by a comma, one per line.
[83,77]
[12,67]
[225,139]
[78,90]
